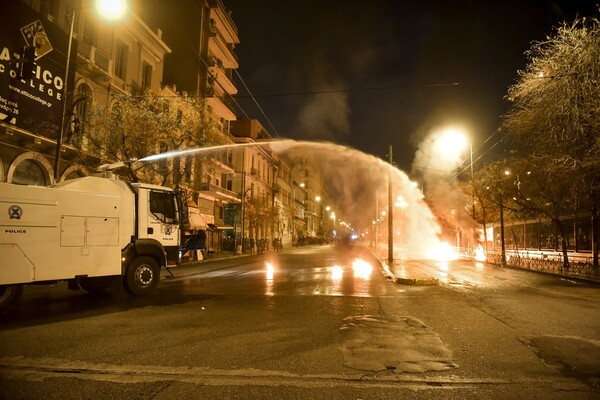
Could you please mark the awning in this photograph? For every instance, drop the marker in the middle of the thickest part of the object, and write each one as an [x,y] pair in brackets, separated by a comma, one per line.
[196,222]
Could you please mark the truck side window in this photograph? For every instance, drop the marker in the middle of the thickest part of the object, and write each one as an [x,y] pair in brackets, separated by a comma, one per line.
[162,206]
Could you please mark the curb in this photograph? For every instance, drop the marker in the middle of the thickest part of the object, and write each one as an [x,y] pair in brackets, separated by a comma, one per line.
[418,282]
[405,281]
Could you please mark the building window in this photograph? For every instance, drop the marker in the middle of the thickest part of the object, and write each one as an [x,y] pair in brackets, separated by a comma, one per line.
[49,8]
[82,109]
[146,76]
[90,32]
[29,172]
[74,175]
[121,60]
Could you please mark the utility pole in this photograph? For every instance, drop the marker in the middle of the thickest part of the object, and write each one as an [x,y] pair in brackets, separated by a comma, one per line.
[390,210]
[63,115]
[474,238]
[243,208]
[503,247]
[377,221]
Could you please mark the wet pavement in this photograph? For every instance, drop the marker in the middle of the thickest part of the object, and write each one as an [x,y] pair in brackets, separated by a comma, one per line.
[320,324]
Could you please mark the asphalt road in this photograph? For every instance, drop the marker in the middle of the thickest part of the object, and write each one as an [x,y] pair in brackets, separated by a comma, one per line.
[309,323]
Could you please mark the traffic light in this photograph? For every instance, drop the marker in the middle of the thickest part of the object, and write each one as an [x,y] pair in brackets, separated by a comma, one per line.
[27,62]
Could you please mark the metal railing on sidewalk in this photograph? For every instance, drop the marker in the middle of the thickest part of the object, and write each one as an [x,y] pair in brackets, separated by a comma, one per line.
[547,261]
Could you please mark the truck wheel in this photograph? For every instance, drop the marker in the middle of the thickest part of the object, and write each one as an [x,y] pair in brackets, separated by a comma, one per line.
[9,294]
[142,276]
[96,285]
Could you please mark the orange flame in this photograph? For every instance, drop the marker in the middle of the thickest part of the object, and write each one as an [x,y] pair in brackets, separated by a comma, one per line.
[443,252]
[480,254]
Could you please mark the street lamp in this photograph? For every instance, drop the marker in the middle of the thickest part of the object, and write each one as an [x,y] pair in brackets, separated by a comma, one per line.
[109,9]
[402,204]
[454,141]
[302,185]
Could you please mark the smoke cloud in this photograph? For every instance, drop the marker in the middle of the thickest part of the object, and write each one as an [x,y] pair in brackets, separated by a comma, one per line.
[325,117]
[437,161]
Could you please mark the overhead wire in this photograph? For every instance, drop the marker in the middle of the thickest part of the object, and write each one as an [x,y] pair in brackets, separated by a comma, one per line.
[478,158]
[256,102]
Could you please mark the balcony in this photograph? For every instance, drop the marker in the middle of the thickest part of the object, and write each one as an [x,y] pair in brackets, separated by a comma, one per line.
[219,193]
[222,79]
[220,108]
[219,49]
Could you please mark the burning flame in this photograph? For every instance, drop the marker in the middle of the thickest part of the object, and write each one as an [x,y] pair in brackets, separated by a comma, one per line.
[443,252]
[480,254]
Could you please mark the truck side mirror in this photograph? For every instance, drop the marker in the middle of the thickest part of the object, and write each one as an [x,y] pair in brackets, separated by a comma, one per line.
[182,206]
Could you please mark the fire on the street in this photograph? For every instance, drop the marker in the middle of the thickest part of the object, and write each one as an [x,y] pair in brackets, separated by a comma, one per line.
[443,252]
[480,254]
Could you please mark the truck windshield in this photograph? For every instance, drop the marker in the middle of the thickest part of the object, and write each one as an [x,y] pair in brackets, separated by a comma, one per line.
[162,206]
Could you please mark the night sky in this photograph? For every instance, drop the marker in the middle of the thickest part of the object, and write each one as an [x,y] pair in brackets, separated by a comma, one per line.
[371,74]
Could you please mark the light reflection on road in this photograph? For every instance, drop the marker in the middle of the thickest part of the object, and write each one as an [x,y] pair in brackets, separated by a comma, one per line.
[269,274]
[320,271]
[343,279]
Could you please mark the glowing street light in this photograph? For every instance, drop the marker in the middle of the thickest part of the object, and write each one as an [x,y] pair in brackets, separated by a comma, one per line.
[453,141]
[400,202]
[110,9]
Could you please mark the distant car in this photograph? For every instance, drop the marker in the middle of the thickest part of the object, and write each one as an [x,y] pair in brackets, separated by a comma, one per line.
[348,239]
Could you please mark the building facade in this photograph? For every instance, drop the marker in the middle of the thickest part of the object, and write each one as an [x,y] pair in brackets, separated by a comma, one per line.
[203,38]
[107,60]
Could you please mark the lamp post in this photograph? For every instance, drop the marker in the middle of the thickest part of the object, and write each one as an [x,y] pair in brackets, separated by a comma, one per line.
[294,208]
[390,211]
[454,140]
[110,9]
[319,212]
[243,206]
[402,204]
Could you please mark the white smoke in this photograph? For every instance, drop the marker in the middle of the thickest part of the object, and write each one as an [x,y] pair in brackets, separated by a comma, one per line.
[440,161]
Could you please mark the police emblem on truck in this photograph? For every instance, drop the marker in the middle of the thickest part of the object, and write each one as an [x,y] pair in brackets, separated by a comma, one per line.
[15,212]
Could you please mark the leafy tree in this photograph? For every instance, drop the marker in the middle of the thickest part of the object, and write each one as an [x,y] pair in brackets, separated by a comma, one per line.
[555,116]
[137,126]
[260,214]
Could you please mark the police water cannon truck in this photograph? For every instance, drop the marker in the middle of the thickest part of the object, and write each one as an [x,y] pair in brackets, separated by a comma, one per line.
[95,232]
